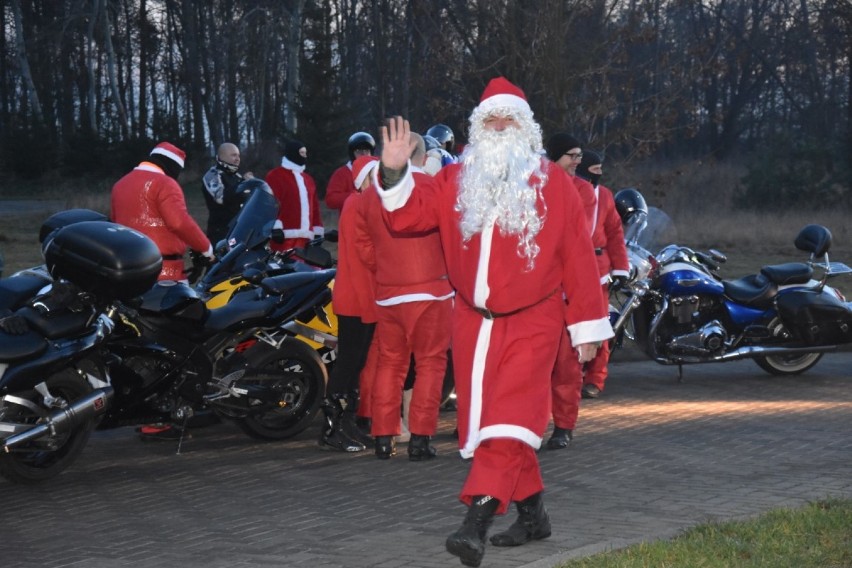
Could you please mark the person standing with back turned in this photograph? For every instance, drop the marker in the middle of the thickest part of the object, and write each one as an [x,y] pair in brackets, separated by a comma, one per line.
[514,238]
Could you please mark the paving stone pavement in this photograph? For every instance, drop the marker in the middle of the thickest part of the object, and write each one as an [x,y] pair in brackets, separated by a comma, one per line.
[650,458]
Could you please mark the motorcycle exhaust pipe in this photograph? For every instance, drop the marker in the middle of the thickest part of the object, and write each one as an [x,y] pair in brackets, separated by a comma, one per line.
[64,419]
[751,352]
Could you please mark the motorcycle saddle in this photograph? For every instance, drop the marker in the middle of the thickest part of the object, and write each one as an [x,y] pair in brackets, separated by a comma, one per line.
[56,325]
[789,273]
[755,290]
[14,347]
[16,290]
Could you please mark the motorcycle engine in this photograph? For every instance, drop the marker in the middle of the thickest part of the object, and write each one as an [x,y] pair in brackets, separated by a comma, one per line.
[693,330]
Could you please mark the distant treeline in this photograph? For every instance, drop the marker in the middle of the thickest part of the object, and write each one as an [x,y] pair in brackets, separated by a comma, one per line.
[86,86]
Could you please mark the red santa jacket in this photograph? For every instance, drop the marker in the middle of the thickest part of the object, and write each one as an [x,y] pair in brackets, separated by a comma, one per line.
[564,242]
[151,202]
[410,266]
[608,236]
[354,285]
[340,186]
[299,209]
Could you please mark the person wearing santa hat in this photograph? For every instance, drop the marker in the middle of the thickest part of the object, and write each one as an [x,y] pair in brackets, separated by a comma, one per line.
[515,240]
[353,301]
[296,192]
[414,307]
[150,200]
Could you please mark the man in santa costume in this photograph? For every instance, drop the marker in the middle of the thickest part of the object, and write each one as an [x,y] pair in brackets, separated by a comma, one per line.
[150,200]
[296,192]
[414,307]
[515,240]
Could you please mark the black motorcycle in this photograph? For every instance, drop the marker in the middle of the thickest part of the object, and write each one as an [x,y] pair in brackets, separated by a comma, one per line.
[106,347]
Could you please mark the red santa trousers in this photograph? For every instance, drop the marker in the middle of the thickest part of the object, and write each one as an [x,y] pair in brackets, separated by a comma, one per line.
[421,329]
[503,368]
[566,385]
[596,369]
[368,377]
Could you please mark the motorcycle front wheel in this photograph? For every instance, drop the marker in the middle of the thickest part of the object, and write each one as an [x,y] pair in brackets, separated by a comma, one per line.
[298,374]
[46,457]
[786,364]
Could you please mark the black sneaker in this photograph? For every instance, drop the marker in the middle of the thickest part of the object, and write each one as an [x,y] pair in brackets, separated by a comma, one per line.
[337,440]
[560,439]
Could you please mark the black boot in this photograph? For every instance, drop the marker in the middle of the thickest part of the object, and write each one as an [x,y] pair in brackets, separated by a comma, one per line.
[349,425]
[332,436]
[385,447]
[468,543]
[560,439]
[533,523]
[419,448]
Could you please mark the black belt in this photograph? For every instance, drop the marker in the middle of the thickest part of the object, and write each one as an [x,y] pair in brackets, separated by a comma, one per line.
[172,257]
[599,252]
[489,315]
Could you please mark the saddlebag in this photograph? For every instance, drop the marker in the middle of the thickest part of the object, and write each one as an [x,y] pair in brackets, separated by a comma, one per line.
[816,317]
[106,259]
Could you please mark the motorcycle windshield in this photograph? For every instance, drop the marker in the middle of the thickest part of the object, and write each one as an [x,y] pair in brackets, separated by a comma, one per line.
[253,226]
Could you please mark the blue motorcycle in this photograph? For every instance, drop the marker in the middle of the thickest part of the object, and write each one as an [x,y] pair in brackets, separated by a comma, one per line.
[677,308]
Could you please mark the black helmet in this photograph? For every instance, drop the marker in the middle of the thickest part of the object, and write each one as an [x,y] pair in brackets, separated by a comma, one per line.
[629,202]
[444,135]
[360,141]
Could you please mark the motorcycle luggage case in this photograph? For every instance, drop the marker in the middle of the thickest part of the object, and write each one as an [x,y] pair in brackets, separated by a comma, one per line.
[818,318]
[106,259]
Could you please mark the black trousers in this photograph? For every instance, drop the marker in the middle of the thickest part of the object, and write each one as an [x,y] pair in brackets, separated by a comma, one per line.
[353,344]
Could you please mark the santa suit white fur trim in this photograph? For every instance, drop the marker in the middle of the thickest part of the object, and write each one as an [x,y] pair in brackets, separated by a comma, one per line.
[503,100]
[365,171]
[406,298]
[595,217]
[304,230]
[169,154]
[148,167]
[590,331]
[395,197]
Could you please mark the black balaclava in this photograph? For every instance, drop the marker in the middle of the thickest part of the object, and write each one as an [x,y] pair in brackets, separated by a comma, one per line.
[291,152]
[589,159]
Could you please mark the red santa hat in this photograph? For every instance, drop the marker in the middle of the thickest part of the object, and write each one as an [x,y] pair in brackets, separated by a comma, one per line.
[361,168]
[500,93]
[171,152]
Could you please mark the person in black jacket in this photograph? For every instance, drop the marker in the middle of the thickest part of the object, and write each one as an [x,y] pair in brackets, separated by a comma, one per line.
[221,192]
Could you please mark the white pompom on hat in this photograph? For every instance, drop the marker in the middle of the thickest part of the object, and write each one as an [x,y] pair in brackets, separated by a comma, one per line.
[171,152]
[501,93]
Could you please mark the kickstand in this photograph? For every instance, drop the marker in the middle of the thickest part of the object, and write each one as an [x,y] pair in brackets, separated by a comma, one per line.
[679,373]
[182,433]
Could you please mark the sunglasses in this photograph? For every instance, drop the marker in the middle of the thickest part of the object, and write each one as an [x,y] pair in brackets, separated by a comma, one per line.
[575,155]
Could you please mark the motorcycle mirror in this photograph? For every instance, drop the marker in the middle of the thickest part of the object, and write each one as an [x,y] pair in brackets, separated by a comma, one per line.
[717,256]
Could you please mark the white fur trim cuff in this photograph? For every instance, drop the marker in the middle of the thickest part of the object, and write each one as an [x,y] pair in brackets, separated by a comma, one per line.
[590,331]
[395,197]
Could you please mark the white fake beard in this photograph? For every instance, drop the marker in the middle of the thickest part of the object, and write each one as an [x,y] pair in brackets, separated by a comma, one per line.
[495,184]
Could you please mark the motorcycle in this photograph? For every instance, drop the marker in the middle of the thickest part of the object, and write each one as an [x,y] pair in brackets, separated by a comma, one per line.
[679,310]
[120,350]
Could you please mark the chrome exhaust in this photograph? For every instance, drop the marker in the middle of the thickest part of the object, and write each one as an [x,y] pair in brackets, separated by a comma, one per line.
[65,419]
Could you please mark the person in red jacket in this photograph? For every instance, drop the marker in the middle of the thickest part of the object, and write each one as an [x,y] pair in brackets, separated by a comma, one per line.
[341,185]
[414,296]
[150,200]
[613,263]
[296,192]
[353,301]
[515,240]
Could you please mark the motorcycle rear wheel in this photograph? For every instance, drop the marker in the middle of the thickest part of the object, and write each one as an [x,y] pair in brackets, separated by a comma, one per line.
[786,364]
[299,373]
[46,457]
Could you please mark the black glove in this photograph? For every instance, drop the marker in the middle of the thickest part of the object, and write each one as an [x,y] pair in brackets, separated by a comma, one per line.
[199,265]
[277,235]
[14,325]
[618,282]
